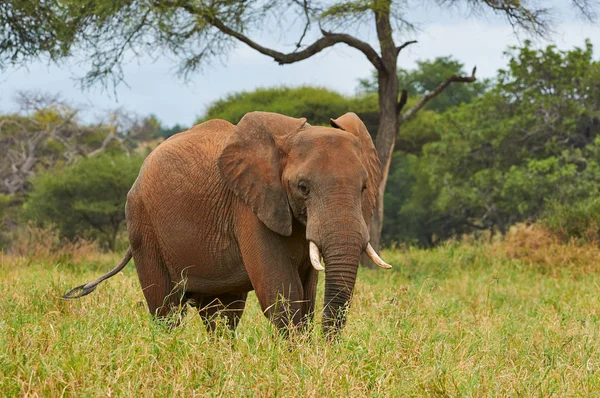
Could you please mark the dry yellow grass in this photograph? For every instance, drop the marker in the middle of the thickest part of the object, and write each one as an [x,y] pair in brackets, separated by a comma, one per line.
[535,245]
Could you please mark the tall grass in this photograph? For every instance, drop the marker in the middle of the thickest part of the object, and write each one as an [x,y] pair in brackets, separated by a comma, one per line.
[463,319]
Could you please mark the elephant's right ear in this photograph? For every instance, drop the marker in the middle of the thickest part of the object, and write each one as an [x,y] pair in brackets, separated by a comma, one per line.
[250,166]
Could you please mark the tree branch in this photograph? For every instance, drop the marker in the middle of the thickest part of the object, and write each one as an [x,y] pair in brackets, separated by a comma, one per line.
[404,45]
[109,138]
[402,102]
[453,79]
[328,40]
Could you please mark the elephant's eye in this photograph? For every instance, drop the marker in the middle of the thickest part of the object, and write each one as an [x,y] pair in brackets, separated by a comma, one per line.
[303,188]
[364,188]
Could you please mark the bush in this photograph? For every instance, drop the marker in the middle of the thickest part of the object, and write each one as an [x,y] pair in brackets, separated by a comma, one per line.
[85,200]
[316,104]
[580,220]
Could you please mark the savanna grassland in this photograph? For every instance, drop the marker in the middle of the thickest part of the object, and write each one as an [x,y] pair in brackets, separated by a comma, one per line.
[511,318]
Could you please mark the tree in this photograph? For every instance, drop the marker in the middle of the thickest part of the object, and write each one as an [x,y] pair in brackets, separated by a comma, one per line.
[85,199]
[318,105]
[531,140]
[166,132]
[195,31]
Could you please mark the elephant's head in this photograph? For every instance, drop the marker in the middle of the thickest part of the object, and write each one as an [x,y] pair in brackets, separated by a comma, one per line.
[326,178]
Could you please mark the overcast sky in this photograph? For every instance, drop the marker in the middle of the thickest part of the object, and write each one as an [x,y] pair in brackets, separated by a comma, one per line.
[154,88]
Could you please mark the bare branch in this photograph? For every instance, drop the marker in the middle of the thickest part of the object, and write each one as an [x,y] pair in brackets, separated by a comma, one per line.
[402,102]
[404,45]
[109,138]
[306,10]
[586,9]
[438,90]
[328,40]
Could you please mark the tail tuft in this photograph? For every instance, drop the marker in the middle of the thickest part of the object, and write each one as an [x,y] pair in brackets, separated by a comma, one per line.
[79,291]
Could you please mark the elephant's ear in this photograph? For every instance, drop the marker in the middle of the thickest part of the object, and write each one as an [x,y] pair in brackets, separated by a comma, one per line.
[351,123]
[250,166]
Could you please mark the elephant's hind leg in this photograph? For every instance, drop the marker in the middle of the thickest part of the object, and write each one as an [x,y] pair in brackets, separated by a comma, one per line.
[164,298]
[229,307]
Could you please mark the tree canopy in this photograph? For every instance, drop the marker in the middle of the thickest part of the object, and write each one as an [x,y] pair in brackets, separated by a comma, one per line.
[318,105]
[194,32]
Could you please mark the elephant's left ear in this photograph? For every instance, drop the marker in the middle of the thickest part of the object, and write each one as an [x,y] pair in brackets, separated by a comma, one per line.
[351,123]
[250,166]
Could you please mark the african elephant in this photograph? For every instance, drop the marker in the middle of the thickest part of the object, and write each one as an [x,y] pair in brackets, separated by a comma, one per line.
[220,210]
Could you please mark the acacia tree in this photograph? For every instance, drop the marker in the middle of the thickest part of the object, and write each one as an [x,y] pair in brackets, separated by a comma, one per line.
[194,31]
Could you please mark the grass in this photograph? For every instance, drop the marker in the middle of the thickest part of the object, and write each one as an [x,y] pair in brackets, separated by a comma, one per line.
[462,319]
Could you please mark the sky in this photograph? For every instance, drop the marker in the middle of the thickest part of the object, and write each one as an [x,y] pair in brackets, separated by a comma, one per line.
[154,88]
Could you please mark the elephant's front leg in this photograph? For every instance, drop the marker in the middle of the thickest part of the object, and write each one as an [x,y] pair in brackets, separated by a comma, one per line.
[276,282]
[309,285]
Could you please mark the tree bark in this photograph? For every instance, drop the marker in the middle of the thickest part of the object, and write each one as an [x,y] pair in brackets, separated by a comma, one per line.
[388,118]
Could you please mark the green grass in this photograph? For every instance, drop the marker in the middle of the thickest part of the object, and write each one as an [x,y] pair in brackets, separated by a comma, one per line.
[457,320]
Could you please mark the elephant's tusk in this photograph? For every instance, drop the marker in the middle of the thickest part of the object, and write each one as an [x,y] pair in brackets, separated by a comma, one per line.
[315,256]
[375,257]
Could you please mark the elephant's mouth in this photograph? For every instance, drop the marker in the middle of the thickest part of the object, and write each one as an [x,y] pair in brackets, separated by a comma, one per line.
[315,257]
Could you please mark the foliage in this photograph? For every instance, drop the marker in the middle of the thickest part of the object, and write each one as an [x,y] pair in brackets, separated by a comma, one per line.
[105,32]
[457,320]
[4,201]
[411,215]
[166,132]
[580,219]
[86,199]
[47,133]
[533,138]
[318,105]
[426,77]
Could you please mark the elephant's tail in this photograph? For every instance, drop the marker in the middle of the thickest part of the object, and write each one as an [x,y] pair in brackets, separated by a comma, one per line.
[86,289]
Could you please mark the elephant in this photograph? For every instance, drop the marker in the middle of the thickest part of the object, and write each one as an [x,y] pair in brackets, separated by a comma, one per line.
[220,210]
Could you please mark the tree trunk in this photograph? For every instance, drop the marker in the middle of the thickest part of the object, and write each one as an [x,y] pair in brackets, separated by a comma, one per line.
[388,121]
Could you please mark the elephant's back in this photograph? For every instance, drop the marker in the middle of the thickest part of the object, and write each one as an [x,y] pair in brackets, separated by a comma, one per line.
[183,161]
[206,138]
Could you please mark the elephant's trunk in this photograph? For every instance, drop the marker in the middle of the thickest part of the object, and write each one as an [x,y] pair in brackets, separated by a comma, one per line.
[340,275]
[342,239]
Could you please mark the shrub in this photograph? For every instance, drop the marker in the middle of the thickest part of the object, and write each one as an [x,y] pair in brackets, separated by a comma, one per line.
[86,200]
[579,220]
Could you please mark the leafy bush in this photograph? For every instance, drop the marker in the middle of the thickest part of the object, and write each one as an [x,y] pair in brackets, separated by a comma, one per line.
[579,220]
[86,199]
